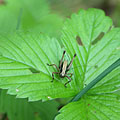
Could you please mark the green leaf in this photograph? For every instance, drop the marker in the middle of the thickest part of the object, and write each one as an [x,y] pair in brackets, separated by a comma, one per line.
[81,35]
[100,103]
[24,70]
[29,15]
[91,59]
[97,79]
[8,18]
[20,109]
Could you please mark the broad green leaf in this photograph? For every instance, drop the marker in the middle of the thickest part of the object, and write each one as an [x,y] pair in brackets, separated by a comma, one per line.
[91,58]
[100,103]
[37,17]
[38,8]
[24,70]
[29,15]
[20,109]
[24,58]
[82,35]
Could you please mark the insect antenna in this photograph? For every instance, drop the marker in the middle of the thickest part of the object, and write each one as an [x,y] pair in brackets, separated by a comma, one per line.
[62,59]
[69,66]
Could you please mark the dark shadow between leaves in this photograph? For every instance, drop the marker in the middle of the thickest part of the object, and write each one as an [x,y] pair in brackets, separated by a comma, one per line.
[34,70]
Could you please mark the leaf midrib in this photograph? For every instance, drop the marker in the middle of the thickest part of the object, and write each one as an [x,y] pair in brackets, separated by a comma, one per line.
[89,48]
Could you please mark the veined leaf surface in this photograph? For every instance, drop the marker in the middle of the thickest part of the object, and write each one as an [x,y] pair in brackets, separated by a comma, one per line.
[24,69]
[81,35]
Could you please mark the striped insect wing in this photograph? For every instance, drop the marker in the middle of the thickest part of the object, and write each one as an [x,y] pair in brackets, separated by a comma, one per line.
[64,65]
[64,68]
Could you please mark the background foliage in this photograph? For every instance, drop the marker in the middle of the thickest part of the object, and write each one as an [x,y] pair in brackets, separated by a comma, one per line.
[25,28]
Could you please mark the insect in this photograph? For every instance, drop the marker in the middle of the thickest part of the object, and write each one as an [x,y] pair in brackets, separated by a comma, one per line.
[63,68]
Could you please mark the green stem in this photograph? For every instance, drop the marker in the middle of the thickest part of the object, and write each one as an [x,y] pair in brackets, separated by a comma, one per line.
[96,80]
[19,19]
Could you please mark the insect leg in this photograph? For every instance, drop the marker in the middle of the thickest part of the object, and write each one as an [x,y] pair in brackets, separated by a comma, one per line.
[53,75]
[62,59]
[53,65]
[69,74]
[69,66]
[68,81]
